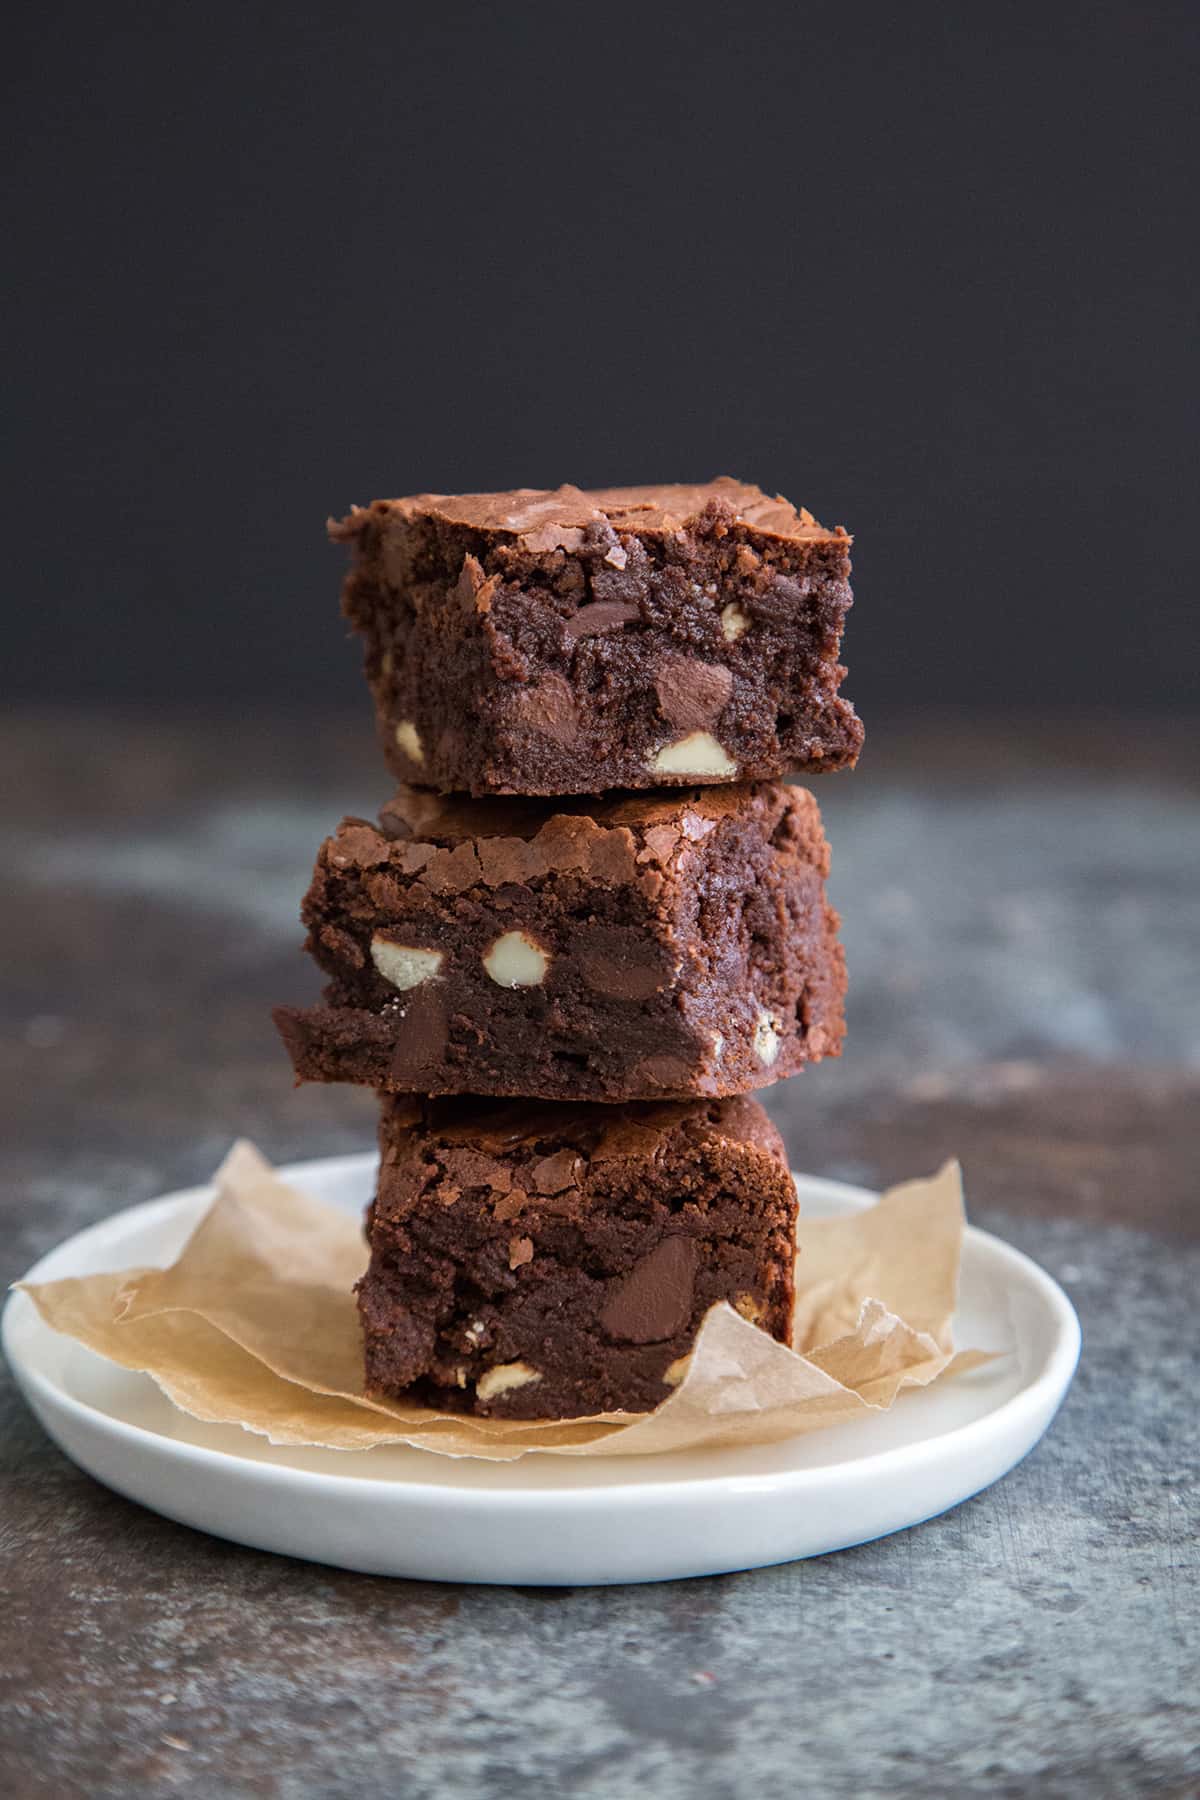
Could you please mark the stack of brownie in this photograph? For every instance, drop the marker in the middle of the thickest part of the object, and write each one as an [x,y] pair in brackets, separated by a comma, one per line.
[590,922]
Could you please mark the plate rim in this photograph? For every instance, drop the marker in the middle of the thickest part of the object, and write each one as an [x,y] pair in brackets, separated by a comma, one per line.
[1048,1386]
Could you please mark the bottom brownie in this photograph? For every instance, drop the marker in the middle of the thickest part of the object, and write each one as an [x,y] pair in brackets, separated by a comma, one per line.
[541,1260]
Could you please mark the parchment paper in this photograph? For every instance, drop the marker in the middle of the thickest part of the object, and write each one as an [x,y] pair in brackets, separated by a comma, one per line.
[255,1325]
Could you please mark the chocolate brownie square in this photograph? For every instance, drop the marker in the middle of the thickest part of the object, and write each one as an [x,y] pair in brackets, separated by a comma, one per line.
[652,946]
[565,642]
[546,1261]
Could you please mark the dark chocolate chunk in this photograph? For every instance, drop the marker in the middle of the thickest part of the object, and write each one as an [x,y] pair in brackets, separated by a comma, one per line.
[654,1301]
[692,694]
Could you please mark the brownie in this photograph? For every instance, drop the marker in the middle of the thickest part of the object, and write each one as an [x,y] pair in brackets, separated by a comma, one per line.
[650,946]
[564,642]
[545,1261]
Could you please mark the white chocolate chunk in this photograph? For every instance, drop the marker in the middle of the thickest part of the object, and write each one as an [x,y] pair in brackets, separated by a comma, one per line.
[514,961]
[766,1038]
[409,740]
[697,754]
[504,1378]
[734,622]
[674,1373]
[403,964]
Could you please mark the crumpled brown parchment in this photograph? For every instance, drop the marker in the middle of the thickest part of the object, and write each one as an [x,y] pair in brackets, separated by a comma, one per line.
[255,1324]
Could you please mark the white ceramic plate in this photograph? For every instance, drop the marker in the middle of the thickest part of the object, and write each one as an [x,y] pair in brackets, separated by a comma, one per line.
[547,1519]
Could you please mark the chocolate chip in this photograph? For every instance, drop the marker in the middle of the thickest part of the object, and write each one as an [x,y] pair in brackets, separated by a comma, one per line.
[617,961]
[654,1301]
[691,693]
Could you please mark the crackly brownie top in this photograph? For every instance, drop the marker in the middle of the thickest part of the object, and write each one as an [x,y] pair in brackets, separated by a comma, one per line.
[553,1142]
[548,519]
[450,843]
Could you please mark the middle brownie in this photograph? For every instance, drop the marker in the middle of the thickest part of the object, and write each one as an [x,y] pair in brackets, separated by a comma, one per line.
[647,947]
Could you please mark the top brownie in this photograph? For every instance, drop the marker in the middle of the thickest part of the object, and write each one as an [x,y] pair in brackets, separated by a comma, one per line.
[566,642]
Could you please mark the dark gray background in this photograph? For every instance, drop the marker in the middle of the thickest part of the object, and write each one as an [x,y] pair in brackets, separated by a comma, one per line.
[929,270]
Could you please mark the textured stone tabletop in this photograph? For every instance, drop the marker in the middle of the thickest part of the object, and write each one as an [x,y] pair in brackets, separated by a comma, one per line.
[1022,919]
